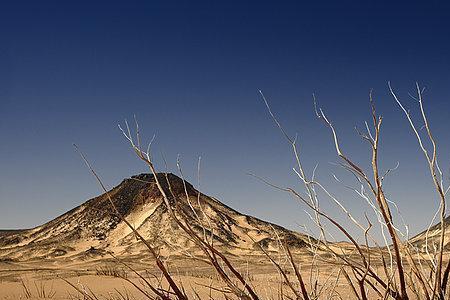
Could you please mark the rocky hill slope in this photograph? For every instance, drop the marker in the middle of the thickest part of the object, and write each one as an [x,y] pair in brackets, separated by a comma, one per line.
[91,229]
[434,235]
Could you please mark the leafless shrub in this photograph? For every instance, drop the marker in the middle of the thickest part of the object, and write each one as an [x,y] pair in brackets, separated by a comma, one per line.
[112,271]
[402,263]
[393,270]
[39,290]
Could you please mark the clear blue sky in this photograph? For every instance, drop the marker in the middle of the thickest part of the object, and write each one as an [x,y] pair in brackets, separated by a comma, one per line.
[69,72]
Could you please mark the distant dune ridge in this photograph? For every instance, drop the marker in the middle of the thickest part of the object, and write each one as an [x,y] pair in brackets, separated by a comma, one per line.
[91,230]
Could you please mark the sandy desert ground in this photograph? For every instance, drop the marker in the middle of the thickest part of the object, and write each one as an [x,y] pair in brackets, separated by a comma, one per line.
[96,278]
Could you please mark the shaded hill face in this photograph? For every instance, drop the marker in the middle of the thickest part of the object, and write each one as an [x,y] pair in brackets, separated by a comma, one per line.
[91,229]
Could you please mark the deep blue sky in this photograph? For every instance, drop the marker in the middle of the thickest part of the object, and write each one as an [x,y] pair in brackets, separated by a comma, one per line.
[191,72]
